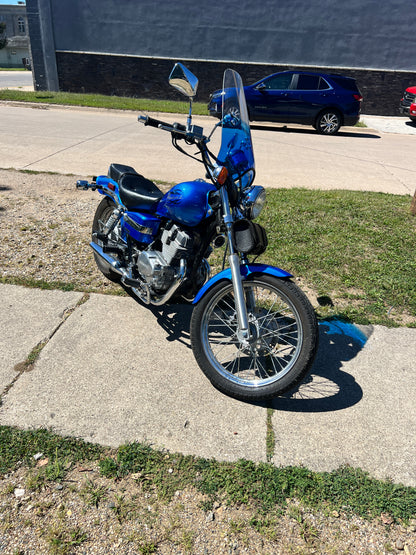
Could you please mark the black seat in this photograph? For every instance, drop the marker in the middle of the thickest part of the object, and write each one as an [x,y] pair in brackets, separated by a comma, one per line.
[116,171]
[136,192]
[139,193]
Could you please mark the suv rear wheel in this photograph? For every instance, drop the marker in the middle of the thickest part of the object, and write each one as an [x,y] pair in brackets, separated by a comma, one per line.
[328,122]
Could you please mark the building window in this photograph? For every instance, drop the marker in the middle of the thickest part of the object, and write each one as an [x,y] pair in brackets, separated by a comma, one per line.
[21,25]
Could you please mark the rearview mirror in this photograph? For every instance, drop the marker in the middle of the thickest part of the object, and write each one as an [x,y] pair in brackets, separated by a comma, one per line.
[183,80]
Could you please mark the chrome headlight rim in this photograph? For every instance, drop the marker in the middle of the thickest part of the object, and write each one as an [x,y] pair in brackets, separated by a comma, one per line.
[254,201]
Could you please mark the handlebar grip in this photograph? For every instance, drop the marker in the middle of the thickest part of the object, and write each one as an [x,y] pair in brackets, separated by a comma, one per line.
[179,127]
[147,120]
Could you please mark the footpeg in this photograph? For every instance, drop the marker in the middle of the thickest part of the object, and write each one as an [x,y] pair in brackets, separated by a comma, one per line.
[85,185]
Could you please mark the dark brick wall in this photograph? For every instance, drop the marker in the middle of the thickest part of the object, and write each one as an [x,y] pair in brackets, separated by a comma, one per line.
[148,78]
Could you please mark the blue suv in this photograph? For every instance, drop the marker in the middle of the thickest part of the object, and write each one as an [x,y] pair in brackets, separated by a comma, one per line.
[324,101]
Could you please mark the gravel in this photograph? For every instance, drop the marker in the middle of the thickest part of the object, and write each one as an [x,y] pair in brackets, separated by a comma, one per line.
[90,514]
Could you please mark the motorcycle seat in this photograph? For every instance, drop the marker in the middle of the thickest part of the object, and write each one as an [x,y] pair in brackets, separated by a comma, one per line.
[138,193]
[116,171]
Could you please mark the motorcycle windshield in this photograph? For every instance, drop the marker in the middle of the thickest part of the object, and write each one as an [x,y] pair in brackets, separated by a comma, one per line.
[236,151]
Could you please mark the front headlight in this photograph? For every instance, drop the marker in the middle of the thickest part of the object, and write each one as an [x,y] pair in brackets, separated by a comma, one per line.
[254,201]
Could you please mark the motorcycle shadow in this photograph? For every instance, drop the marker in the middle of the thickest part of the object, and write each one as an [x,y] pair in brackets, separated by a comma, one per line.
[328,387]
[175,320]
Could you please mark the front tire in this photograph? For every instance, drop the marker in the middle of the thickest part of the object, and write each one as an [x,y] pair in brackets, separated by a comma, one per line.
[284,338]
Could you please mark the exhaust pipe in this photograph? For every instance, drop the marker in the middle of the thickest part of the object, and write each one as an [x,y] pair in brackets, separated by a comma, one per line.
[117,267]
[115,264]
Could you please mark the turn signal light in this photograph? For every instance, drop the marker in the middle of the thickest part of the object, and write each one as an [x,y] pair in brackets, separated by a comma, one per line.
[221,174]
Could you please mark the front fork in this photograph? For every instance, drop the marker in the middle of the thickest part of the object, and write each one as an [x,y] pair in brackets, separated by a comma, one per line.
[243,333]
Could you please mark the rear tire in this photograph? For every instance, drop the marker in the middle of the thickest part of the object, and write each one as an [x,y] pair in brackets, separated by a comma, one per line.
[282,348]
[104,211]
[328,122]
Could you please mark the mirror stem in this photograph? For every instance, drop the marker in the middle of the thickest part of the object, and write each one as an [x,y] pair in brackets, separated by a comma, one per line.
[189,120]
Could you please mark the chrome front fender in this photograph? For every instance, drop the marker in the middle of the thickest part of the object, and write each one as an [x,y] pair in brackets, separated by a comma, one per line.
[246,270]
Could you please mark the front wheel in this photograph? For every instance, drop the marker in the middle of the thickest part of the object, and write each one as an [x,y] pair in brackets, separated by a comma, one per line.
[282,345]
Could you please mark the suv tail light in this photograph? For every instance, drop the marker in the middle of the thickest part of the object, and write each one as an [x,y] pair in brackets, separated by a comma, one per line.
[358,97]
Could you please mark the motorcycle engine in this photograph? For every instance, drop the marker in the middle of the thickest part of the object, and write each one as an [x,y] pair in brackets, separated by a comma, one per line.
[159,267]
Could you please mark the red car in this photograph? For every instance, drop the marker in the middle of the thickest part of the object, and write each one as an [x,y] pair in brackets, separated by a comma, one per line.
[412,111]
[408,103]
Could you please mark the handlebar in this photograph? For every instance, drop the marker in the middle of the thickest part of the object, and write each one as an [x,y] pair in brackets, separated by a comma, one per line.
[177,129]
[147,120]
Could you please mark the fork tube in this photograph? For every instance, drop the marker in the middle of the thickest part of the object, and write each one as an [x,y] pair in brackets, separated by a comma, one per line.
[234,260]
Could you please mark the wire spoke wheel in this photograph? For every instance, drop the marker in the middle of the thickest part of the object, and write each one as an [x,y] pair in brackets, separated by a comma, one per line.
[280,348]
[103,213]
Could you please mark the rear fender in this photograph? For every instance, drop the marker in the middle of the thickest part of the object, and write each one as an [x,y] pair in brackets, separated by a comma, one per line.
[246,270]
[109,187]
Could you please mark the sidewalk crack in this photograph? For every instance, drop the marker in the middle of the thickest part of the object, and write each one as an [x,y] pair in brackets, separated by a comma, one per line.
[270,437]
[29,363]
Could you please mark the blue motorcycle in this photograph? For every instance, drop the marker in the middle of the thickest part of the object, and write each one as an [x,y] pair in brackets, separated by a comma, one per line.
[253,331]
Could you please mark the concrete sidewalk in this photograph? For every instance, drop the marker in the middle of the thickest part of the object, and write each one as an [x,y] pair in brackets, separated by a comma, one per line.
[112,371]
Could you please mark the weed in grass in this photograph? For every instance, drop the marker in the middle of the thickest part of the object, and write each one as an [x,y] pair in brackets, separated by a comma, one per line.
[270,437]
[147,548]
[56,469]
[206,505]
[35,480]
[187,540]
[17,446]
[123,508]
[62,540]
[93,493]
[346,490]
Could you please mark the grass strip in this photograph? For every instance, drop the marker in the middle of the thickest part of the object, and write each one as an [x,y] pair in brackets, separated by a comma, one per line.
[355,249]
[103,101]
[19,447]
[262,485]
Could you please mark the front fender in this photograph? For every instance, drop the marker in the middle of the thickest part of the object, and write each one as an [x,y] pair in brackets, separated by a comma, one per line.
[246,270]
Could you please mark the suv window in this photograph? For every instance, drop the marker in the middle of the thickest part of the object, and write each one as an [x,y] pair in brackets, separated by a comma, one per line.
[311,83]
[308,82]
[279,82]
[345,83]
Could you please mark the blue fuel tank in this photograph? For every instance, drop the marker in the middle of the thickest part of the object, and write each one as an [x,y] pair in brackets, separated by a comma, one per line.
[187,203]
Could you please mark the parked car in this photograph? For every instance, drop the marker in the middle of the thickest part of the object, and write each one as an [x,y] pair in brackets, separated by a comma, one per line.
[324,101]
[409,98]
[412,111]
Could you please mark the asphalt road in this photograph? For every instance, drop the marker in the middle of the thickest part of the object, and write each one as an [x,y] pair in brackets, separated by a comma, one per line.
[14,79]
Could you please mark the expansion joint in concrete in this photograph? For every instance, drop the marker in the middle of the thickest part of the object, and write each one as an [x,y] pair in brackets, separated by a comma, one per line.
[29,363]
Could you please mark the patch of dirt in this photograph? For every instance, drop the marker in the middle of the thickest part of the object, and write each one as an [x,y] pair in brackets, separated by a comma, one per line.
[89,514]
[45,229]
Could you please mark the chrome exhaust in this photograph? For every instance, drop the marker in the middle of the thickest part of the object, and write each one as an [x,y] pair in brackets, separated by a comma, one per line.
[173,288]
[116,266]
